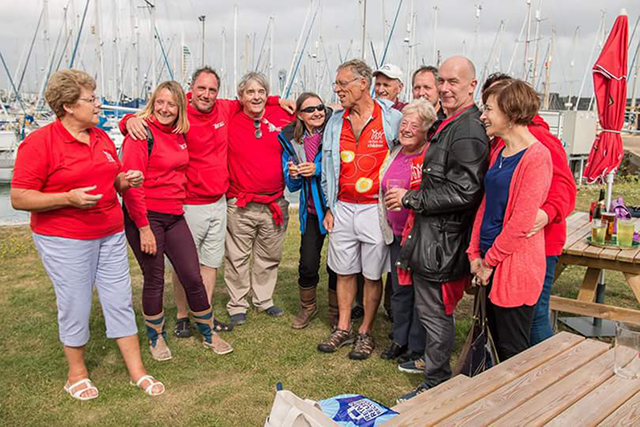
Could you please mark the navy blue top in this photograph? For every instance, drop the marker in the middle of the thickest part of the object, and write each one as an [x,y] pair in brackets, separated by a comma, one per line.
[496,186]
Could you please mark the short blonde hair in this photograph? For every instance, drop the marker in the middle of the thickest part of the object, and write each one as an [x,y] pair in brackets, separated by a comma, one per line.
[424,110]
[253,76]
[182,122]
[64,88]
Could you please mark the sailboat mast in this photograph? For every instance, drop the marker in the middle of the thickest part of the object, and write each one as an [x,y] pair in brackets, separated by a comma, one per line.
[364,29]
[547,74]
[537,40]
[100,53]
[435,34]
[525,67]
[235,47]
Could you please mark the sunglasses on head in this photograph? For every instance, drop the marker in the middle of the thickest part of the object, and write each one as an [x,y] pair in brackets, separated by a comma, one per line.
[258,132]
[313,108]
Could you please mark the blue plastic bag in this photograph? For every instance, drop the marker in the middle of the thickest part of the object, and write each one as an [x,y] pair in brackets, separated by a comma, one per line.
[355,410]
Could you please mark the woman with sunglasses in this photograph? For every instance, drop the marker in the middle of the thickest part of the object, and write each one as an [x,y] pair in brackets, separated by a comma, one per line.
[301,163]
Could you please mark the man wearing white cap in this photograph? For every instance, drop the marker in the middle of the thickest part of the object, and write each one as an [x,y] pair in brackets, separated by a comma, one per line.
[389,84]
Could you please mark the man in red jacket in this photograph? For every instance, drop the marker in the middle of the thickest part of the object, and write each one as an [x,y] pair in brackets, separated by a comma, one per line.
[257,212]
[205,207]
[552,216]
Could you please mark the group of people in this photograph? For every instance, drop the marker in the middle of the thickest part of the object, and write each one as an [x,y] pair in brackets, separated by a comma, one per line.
[434,195]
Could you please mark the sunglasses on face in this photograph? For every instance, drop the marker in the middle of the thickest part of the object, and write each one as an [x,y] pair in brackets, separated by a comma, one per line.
[313,108]
[258,132]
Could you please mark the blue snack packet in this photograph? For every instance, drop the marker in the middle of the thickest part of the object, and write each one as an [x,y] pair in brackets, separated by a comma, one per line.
[351,410]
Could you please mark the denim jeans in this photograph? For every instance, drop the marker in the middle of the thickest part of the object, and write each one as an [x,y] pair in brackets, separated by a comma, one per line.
[541,327]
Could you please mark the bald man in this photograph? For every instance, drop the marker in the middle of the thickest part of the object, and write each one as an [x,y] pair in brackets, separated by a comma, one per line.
[445,205]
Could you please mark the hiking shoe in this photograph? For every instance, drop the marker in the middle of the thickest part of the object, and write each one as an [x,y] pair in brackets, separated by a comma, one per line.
[409,356]
[338,338]
[418,390]
[238,319]
[363,348]
[183,328]
[413,366]
[357,313]
[274,311]
[393,351]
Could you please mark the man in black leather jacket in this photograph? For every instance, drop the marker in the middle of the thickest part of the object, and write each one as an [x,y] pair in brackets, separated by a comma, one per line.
[445,206]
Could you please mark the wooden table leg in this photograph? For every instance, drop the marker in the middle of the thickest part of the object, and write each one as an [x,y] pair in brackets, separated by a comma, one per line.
[559,269]
[589,283]
[633,280]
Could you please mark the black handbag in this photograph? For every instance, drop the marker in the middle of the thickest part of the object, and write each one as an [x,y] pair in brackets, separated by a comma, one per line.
[479,351]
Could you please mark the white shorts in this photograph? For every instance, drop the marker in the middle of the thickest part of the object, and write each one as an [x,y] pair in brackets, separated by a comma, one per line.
[356,244]
[208,225]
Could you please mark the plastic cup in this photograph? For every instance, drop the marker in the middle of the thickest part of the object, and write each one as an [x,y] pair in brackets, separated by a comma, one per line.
[627,351]
[610,219]
[394,183]
[598,231]
[626,228]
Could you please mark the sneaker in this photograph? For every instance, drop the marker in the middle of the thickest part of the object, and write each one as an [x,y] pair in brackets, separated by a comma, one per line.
[183,328]
[418,390]
[238,319]
[409,356]
[338,338]
[413,366]
[393,351]
[363,348]
[357,313]
[274,311]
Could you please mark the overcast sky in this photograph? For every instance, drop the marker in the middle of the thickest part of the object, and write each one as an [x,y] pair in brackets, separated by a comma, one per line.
[336,35]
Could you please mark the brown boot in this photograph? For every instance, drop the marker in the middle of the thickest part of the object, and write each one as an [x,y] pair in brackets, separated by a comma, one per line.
[308,308]
[333,309]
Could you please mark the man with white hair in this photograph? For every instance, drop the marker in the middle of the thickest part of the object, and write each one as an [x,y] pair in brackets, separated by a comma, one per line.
[389,85]
[355,144]
[257,212]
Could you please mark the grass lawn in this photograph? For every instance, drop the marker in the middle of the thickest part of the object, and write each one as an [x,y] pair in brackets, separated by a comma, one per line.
[202,388]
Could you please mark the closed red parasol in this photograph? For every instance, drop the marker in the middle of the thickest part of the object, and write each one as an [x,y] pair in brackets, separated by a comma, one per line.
[610,86]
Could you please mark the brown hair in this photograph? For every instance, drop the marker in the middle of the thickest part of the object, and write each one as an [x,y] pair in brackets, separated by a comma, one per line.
[298,127]
[182,122]
[204,70]
[64,88]
[516,99]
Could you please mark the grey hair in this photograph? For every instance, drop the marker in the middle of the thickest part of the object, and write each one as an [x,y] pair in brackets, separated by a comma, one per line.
[425,69]
[360,70]
[253,76]
[423,109]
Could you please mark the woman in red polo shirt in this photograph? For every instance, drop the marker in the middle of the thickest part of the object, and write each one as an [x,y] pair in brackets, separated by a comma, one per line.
[154,218]
[67,175]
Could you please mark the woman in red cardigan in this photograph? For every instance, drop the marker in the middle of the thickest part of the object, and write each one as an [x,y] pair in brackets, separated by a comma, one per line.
[502,257]
[154,218]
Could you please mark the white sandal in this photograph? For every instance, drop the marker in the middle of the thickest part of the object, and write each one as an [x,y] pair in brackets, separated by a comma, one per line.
[149,389]
[77,394]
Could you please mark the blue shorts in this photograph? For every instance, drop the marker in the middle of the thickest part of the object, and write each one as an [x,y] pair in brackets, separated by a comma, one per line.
[75,266]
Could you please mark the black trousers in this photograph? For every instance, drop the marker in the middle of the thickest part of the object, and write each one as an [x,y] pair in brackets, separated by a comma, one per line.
[311,254]
[510,327]
[407,329]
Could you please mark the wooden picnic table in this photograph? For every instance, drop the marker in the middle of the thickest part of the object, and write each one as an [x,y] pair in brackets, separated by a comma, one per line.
[566,380]
[577,251]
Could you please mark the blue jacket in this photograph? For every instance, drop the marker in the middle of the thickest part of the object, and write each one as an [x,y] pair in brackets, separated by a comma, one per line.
[331,146]
[309,185]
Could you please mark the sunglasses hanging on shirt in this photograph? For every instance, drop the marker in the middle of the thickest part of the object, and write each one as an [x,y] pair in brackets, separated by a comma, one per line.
[258,132]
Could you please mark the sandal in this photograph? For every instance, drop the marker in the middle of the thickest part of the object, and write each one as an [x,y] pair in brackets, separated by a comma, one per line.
[183,328]
[222,327]
[77,394]
[148,389]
